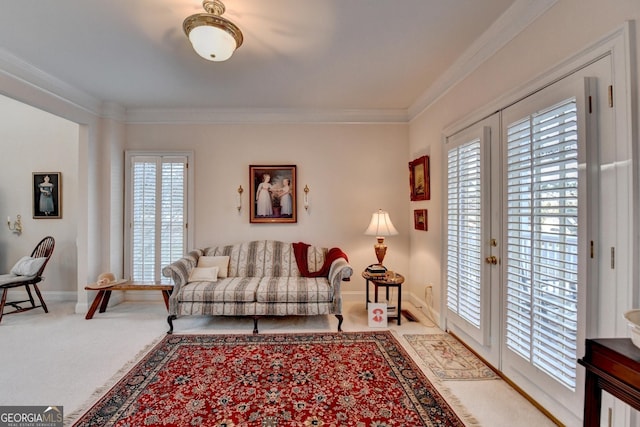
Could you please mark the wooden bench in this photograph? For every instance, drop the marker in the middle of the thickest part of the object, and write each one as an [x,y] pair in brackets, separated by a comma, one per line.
[104,293]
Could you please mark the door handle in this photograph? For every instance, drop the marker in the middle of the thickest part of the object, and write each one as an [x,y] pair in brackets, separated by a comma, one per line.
[491,260]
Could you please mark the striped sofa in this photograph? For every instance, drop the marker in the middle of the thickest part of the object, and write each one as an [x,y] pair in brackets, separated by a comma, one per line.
[262,278]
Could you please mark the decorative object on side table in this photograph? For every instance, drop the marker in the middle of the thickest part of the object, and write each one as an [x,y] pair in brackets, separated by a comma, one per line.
[420,219]
[272,194]
[419,179]
[380,226]
[47,190]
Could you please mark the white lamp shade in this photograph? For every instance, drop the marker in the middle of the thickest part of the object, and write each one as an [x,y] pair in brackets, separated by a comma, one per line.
[381,225]
[212,43]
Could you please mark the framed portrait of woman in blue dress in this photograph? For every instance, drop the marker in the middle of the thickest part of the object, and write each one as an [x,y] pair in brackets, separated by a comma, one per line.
[47,188]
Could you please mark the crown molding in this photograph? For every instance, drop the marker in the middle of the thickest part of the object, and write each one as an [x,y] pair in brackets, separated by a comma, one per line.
[511,23]
[265,115]
[113,111]
[25,74]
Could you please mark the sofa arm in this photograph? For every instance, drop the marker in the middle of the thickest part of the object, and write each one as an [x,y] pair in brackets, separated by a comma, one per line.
[180,270]
[340,270]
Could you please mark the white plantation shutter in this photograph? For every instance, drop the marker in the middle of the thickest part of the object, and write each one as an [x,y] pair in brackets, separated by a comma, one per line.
[158,214]
[464,232]
[144,215]
[542,240]
[173,218]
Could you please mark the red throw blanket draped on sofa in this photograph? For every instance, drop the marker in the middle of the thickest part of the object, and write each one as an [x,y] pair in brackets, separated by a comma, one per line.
[300,252]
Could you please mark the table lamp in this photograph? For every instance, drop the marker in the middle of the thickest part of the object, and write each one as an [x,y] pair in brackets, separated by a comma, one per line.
[380,226]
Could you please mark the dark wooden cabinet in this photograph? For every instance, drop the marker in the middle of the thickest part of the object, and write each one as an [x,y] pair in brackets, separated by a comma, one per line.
[613,365]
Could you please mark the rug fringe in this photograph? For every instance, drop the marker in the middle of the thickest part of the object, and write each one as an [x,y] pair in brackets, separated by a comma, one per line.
[100,391]
[453,401]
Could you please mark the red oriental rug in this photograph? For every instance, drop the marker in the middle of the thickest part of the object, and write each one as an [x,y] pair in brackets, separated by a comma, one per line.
[333,379]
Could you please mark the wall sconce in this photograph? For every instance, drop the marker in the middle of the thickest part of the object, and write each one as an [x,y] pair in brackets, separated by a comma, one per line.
[17,225]
[306,197]
[239,201]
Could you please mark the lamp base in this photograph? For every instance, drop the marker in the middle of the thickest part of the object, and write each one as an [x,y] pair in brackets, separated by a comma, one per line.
[380,249]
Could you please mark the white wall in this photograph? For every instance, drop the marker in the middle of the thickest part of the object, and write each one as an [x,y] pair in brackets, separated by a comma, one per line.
[32,140]
[352,170]
[568,27]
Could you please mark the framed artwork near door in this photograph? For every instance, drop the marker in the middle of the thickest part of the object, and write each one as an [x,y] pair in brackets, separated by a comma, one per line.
[272,194]
[419,179]
[420,219]
[47,191]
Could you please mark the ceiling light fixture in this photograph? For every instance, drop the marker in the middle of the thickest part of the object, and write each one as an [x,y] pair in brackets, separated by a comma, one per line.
[213,37]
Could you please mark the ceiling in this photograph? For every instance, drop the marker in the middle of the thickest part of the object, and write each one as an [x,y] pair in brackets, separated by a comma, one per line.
[297,54]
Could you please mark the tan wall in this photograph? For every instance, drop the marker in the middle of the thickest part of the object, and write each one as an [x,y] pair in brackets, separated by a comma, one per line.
[568,27]
[352,170]
[35,141]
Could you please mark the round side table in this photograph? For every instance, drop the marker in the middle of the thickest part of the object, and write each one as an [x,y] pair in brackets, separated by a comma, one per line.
[389,280]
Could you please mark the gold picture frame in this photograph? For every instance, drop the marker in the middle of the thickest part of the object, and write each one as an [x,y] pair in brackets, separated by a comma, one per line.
[272,194]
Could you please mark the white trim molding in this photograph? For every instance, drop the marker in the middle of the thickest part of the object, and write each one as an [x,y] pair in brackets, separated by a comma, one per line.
[511,23]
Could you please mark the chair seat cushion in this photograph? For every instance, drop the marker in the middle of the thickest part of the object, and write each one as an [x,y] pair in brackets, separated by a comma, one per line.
[11,279]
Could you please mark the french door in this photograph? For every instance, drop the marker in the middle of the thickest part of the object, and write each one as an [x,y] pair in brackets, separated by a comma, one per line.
[523,217]
[473,235]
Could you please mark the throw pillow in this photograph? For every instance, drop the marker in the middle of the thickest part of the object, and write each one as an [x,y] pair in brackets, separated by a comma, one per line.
[27,266]
[203,274]
[220,261]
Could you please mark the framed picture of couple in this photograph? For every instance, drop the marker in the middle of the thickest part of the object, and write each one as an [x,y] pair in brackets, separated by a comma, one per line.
[272,194]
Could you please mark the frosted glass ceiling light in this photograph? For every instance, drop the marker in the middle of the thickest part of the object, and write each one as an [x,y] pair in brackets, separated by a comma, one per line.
[213,37]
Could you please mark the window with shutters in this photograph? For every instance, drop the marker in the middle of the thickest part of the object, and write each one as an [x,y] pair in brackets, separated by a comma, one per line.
[542,240]
[157,213]
[464,216]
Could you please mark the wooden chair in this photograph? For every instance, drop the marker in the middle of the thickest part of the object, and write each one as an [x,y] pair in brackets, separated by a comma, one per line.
[44,249]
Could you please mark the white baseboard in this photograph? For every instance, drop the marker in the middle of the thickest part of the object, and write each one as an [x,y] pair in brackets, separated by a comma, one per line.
[430,312]
[59,296]
[53,296]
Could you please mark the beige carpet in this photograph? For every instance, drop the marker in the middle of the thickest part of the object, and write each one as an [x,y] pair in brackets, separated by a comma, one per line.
[62,359]
[449,359]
